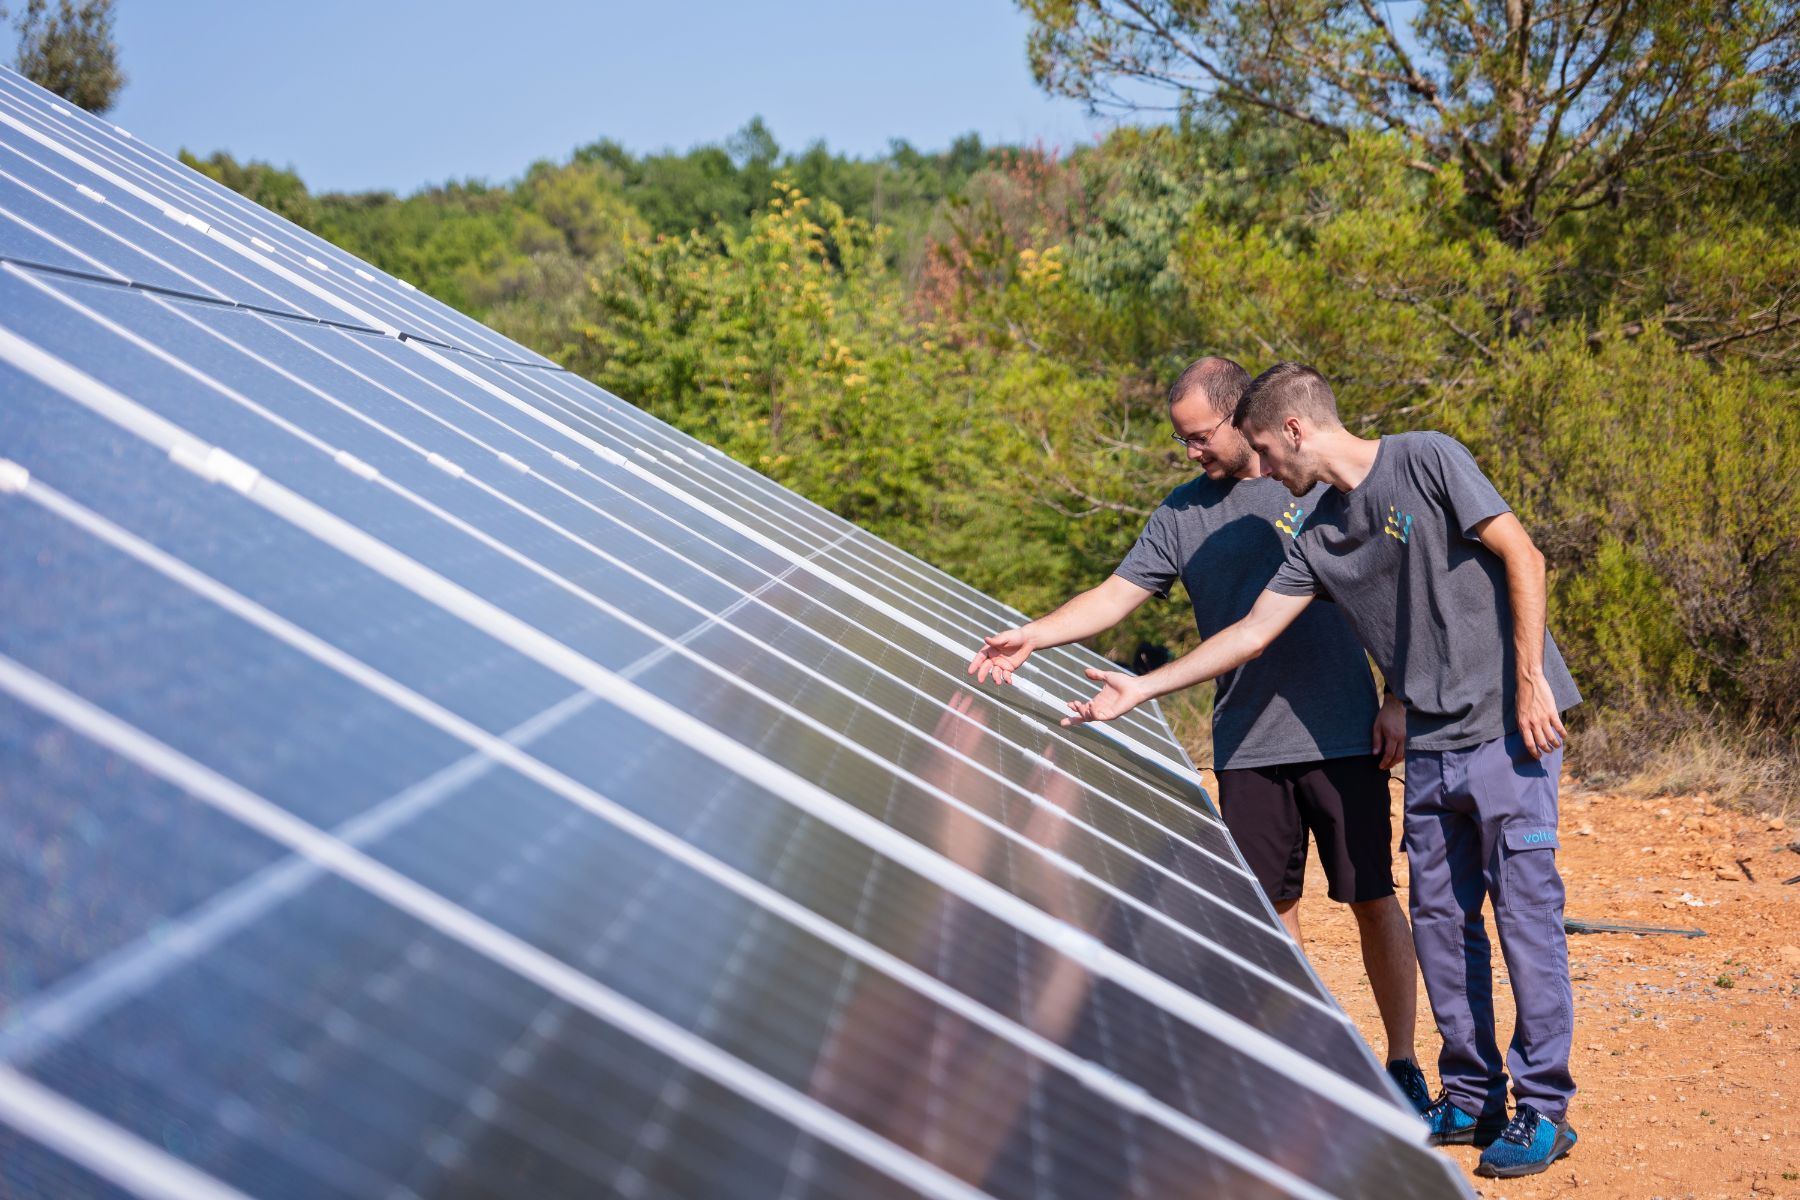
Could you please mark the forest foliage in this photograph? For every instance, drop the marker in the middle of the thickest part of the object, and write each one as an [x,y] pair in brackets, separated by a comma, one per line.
[966,351]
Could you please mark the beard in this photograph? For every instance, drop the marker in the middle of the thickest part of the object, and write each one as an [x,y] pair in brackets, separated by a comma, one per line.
[1227,466]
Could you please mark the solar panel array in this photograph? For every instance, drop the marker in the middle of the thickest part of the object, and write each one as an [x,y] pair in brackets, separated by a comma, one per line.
[424,774]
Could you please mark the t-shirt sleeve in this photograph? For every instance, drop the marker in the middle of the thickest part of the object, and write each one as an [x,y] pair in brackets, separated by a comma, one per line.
[1468,496]
[1295,576]
[1154,560]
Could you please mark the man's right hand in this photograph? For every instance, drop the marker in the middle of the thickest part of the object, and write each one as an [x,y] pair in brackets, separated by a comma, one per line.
[1001,655]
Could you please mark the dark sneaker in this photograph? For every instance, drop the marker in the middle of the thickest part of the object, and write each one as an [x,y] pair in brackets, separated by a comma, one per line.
[1529,1144]
[1451,1126]
[1411,1081]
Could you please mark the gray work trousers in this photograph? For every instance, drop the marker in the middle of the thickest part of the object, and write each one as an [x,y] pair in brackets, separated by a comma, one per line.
[1481,823]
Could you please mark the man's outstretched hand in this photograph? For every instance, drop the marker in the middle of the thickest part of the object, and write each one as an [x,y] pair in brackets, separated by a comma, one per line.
[1001,655]
[1119,693]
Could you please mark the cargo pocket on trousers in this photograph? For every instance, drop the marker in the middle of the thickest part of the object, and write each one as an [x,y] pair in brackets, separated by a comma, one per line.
[1528,875]
[1530,916]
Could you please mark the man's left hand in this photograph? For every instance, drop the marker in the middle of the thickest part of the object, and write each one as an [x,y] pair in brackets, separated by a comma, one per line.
[1119,693]
[1539,723]
[1389,734]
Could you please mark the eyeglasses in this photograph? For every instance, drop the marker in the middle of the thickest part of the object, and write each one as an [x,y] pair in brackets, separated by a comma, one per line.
[1198,441]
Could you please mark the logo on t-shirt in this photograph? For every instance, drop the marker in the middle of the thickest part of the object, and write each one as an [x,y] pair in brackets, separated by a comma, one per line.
[1399,524]
[1290,520]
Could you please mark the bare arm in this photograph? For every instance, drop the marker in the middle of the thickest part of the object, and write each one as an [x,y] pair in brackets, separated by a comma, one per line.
[1093,611]
[1539,723]
[1231,647]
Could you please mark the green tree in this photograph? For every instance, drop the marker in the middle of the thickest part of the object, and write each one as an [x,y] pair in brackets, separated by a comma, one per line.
[1544,109]
[681,193]
[70,51]
[1660,487]
[280,191]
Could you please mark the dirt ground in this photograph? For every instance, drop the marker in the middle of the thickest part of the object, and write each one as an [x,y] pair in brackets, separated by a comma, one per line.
[1687,1051]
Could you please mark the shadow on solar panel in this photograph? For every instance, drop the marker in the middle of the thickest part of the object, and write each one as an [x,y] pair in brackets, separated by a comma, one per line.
[426,775]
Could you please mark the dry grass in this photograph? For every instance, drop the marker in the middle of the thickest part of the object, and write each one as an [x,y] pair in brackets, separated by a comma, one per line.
[1636,754]
[1687,753]
[1189,714]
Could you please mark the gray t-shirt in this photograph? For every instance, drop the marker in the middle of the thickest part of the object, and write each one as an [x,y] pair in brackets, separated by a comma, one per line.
[1309,696]
[1428,600]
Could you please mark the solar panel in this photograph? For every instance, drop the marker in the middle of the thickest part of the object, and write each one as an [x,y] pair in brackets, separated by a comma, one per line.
[427,775]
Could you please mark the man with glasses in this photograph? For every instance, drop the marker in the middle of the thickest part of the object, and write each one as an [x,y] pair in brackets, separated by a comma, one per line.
[1292,731]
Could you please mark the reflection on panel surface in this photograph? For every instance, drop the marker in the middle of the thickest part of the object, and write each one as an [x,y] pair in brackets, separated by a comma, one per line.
[427,775]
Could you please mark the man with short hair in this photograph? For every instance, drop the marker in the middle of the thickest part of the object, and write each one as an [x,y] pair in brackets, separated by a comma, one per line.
[1447,592]
[1292,732]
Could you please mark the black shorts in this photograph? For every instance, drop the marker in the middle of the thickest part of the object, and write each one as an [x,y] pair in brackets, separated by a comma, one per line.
[1343,802]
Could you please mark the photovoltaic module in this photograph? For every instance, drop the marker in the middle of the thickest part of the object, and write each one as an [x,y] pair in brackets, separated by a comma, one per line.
[426,775]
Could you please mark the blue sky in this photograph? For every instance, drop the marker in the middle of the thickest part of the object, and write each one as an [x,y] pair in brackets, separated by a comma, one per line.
[398,93]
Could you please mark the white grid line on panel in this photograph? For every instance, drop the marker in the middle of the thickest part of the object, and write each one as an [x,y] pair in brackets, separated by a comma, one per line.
[110,1152]
[683,727]
[478,935]
[214,463]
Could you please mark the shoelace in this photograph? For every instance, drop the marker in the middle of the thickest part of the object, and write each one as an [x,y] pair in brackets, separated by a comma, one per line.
[1440,1111]
[1522,1129]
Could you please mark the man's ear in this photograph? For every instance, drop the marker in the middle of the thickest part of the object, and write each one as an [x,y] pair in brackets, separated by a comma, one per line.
[1293,431]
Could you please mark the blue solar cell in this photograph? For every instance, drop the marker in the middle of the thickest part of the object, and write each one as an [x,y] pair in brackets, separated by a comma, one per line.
[29,1171]
[83,869]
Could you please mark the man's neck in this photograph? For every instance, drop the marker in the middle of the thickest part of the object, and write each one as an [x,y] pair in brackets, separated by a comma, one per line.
[1252,468]
[1346,459]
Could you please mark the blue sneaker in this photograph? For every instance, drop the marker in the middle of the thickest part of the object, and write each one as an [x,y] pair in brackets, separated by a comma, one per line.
[1411,1081]
[1451,1126]
[1529,1144]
